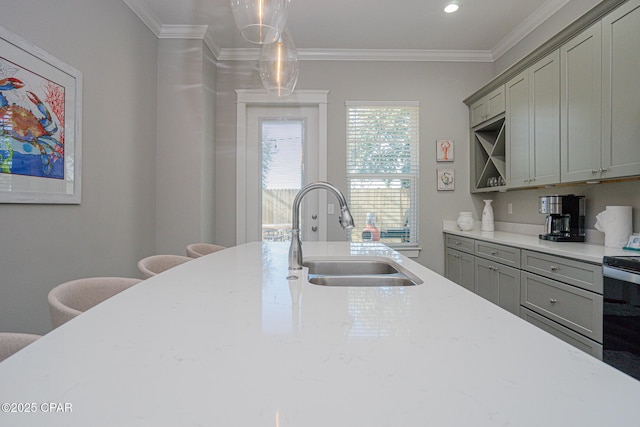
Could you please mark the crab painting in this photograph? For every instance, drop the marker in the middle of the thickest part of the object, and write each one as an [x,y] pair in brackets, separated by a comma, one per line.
[22,125]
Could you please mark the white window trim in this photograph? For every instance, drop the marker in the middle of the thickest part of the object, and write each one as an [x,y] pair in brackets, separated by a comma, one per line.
[409,250]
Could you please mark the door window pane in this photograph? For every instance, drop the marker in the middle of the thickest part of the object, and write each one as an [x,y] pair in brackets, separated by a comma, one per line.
[281,175]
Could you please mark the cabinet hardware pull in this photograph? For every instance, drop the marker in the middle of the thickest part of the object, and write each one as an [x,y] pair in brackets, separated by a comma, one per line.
[603,169]
[456,256]
[492,268]
[554,268]
[553,300]
[458,243]
[594,171]
[494,252]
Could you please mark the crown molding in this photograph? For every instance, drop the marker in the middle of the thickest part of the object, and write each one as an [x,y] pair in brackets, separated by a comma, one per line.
[203,32]
[543,13]
[146,15]
[416,55]
[253,54]
[183,32]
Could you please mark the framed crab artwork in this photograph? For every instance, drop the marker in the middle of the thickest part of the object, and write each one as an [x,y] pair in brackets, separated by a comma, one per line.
[40,128]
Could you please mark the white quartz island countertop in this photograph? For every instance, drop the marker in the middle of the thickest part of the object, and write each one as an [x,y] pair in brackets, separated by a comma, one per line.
[227,340]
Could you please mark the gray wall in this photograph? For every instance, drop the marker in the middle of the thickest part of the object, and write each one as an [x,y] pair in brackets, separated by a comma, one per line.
[440,88]
[185,145]
[44,245]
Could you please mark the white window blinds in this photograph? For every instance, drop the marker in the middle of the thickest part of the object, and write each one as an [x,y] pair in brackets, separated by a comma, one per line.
[382,171]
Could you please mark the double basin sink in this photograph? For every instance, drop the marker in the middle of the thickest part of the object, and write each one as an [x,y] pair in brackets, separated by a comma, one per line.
[356,271]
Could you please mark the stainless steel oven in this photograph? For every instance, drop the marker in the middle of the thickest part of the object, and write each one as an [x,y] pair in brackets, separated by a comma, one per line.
[621,317]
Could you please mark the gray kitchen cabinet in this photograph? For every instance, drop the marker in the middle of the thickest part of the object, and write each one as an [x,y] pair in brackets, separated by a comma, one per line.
[517,130]
[464,244]
[459,261]
[572,307]
[487,269]
[581,100]
[488,154]
[620,91]
[577,273]
[560,295]
[566,295]
[593,77]
[498,283]
[459,268]
[544,120]
[565,334]
[503,254]
[488,107]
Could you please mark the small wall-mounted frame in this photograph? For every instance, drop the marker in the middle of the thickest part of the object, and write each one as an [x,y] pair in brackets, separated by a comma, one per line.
[40,132]
[444,150]
[446,180]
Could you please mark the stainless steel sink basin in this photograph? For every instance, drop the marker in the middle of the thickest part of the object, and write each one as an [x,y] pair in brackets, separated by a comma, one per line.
[359,272]
[363,280]
[349,266]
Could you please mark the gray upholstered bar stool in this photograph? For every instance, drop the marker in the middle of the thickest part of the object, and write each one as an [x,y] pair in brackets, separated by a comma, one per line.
[156,264]
[11,343]
[70,299]
[196,250]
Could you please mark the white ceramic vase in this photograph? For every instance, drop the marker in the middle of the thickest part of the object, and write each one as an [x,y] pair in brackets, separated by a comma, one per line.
[487,216]
[465,221]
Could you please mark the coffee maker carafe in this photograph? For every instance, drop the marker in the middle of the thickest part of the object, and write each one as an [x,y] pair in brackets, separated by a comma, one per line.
[565,218]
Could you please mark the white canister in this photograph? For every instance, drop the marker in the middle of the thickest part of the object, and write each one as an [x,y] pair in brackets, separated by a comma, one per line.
[465,221]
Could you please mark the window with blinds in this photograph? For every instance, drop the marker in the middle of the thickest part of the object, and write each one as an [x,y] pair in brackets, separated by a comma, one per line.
[382,171]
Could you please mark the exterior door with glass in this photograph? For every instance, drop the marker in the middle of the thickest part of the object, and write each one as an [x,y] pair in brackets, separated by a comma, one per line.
[282,156]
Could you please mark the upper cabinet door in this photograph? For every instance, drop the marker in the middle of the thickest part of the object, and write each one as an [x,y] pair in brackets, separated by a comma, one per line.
[533,124]
[488,107]
[517,127]
[621,91]
[544,125]
[581,99]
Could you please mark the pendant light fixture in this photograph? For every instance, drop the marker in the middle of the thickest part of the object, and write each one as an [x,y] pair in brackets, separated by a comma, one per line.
[261,21]
[279,66]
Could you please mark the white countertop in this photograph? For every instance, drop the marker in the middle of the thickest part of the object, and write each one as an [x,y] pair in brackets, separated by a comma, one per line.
[226,340]
[581,251]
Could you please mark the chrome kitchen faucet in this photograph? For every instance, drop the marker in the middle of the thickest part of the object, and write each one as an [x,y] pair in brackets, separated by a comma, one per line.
[345,218]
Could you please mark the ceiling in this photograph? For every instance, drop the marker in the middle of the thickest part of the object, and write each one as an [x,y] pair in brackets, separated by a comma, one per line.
[481,30]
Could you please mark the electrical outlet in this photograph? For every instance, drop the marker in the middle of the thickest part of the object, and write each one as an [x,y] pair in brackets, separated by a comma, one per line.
[509,208]
[330,209]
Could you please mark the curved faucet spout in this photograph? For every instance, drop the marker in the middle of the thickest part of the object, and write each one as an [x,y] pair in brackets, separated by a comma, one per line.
[346,220]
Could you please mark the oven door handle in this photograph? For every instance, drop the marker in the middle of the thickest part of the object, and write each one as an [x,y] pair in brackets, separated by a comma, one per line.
[625,276]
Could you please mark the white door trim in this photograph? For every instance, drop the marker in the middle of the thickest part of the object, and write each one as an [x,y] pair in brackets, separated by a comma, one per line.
[253,97]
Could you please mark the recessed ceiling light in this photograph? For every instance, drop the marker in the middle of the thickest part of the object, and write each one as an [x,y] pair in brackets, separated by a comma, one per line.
[451,7]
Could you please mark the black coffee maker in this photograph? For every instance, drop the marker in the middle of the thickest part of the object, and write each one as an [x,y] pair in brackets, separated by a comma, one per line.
[565,218]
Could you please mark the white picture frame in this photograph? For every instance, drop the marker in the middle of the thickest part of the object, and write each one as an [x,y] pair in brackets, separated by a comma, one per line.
[444,150]
[446,179]
[40,155]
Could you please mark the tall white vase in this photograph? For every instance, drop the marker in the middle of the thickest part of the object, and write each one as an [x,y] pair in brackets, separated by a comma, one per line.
[487,216]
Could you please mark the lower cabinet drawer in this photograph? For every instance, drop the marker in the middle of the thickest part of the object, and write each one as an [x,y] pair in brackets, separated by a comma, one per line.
[565,334]
[578,273]
[506,255]
[572,307]
[463,244]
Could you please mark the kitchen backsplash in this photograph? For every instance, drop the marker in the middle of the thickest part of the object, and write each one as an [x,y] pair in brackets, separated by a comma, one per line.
[524,204]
